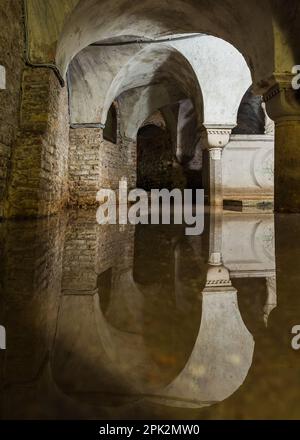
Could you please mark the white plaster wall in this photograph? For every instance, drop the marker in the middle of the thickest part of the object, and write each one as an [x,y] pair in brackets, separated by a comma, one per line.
[248,168]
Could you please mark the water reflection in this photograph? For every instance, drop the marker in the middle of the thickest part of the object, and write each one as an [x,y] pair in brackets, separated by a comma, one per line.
[129,322]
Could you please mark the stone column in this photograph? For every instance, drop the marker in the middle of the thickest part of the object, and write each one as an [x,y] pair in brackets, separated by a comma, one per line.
[283,106]
[215,238]
[215,138]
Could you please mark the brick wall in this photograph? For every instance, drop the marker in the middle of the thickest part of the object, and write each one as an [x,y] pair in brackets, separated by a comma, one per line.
[12,59]
[118,161]
[39,181]
[95,163]
[84,165]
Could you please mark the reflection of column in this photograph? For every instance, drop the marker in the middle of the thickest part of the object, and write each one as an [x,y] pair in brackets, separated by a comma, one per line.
[215,139]
[218,277]
[222,353]
[271,302]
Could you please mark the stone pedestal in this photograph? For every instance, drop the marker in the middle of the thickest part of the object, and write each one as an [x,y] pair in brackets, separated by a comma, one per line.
[283,106]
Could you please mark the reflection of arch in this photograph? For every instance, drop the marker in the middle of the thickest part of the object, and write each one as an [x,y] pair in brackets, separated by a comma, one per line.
[115,363]
[103,358]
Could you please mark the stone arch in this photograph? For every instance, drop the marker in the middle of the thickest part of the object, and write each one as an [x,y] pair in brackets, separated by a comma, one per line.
[98,75]
[164,69]
[245,26]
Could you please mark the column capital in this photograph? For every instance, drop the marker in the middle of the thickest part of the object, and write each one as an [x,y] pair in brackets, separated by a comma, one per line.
[282,101]
[216,136]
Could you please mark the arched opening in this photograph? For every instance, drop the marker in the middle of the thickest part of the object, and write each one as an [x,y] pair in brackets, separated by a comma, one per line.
[157,167]
[110,131]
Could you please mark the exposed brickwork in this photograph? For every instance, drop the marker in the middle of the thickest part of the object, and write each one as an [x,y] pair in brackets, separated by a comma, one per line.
[117,162]
[95,163]
[84,165]
[12,58]
[38,185]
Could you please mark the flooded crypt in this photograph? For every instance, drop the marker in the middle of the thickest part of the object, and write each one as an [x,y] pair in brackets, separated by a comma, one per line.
[125,320]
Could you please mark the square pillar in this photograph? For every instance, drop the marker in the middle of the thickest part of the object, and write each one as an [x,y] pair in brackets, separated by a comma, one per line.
[38,182]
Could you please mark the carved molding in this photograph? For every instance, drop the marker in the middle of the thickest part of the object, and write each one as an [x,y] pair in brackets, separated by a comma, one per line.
[214,136]
[282,101]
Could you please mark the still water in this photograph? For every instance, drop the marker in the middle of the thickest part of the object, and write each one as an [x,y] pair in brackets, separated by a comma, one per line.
[141,322]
